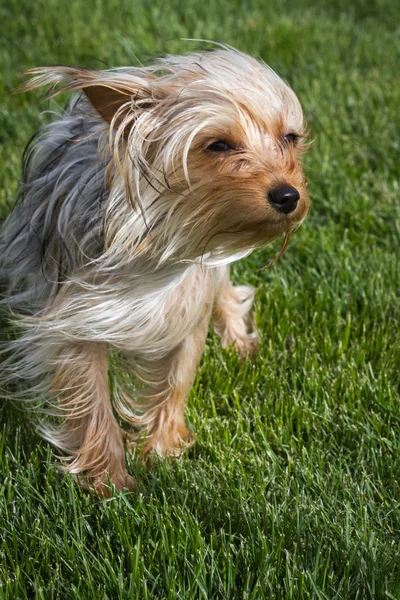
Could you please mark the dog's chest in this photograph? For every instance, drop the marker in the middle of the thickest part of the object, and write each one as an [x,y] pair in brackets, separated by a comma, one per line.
[161,320]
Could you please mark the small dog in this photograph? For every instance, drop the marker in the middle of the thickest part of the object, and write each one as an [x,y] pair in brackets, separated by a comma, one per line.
[132,205]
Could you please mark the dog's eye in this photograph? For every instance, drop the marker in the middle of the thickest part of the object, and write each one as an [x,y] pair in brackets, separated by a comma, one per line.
[291,138]
[219,146]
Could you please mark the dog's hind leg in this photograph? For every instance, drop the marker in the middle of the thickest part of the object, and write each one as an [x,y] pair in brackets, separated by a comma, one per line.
[231,315]
[90,435]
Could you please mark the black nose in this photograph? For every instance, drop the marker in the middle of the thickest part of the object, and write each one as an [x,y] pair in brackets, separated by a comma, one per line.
[284,198]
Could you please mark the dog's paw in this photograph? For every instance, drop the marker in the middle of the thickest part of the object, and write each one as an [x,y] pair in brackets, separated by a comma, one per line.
[247,346]
[103,486]
[173,443]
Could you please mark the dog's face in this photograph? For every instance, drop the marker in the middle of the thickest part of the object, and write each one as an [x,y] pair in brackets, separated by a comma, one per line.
[238,157]
[207,146]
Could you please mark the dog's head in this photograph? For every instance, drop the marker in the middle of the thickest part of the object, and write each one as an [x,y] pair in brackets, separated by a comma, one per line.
[205,153]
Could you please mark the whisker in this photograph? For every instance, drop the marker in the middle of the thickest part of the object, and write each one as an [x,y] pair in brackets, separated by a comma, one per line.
[285,244]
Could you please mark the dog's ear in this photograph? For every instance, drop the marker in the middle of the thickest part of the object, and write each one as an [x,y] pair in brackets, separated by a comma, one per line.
[112,93]
[108,102]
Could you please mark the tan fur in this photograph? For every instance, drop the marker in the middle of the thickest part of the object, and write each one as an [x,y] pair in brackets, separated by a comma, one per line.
[167,433]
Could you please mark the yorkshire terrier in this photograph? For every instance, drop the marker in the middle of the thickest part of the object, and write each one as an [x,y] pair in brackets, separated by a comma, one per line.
[133,203]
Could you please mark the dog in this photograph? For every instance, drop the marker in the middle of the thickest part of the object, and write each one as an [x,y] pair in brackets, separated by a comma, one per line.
[133,204]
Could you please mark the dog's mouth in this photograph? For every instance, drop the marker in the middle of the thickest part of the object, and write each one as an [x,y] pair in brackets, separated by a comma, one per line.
[291,214]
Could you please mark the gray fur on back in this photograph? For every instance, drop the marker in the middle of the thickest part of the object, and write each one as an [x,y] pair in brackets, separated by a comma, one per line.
[56,225]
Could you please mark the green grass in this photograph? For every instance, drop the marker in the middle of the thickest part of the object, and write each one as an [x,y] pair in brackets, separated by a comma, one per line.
[293,488]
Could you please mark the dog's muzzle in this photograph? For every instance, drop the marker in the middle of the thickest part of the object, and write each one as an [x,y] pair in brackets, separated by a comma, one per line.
[284,198]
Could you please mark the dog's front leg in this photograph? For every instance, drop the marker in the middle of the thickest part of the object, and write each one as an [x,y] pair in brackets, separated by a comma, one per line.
[160,410]
[231,315]
[90,435]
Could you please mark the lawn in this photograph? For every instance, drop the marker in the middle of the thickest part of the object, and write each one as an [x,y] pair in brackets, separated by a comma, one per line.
[293,488]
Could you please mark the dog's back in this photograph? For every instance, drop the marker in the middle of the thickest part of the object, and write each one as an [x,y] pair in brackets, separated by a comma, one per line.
[56,225]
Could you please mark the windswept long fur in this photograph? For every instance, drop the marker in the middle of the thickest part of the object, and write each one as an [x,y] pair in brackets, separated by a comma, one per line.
[125,225]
